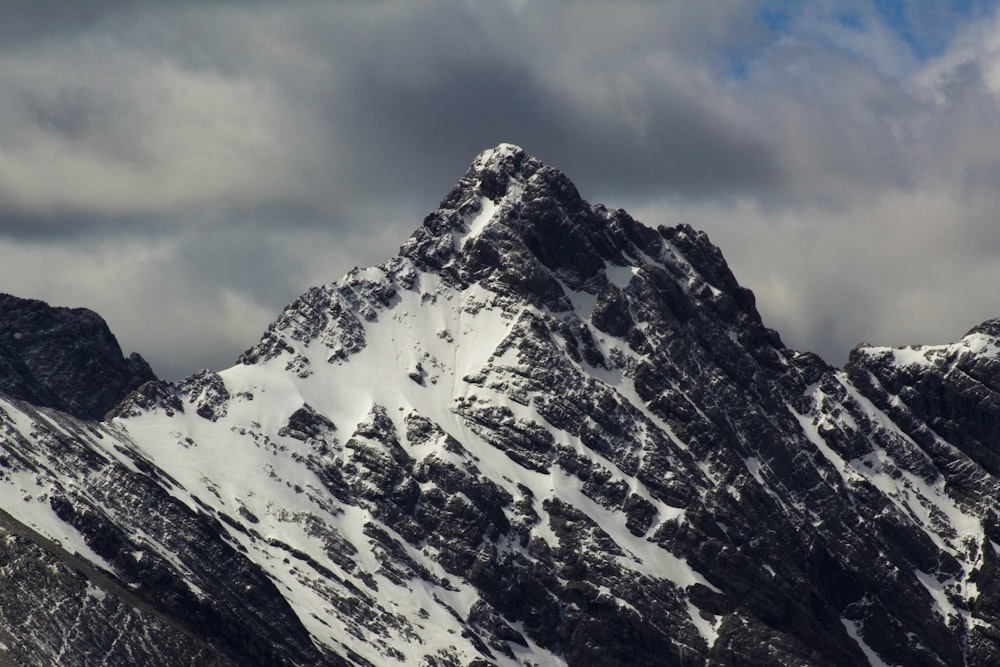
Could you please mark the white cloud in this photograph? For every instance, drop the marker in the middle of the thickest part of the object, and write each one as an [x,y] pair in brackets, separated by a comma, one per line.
[120,133]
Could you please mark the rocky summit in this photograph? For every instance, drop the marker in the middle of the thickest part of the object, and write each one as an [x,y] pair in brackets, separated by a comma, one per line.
[542,434]
[64,358]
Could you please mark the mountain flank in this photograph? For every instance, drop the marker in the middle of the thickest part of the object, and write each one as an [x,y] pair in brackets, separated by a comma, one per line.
[541,434]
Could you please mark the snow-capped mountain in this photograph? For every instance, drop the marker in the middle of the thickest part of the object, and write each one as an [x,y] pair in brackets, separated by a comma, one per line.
[542,434]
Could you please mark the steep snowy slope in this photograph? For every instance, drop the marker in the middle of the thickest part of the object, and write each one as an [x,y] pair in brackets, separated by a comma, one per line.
[542,434]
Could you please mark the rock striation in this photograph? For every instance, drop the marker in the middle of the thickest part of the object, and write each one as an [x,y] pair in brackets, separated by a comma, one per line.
[542,434]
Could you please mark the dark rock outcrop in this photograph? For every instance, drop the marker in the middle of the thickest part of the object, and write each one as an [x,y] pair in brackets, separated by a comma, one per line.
[64,358]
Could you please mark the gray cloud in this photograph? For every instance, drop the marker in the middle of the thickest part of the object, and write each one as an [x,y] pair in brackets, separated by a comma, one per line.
[188,168]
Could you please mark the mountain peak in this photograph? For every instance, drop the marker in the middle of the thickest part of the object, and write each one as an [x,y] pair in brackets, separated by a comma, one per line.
[543,434]
[65,358]
[497,156]
[518,226]
[511,211]
[990,327]
[491,175]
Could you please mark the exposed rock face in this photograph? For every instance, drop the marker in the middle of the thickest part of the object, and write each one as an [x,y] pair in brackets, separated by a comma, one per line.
[52,613]
[542,434]
[64,358]
[170,562]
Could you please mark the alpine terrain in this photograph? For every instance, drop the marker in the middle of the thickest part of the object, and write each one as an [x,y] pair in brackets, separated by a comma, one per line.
[542,434]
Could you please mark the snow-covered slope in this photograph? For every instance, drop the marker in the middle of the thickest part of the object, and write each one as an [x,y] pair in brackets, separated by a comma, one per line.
[542,434]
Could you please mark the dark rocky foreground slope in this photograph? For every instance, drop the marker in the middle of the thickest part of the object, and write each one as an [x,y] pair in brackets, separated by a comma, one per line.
[542,434]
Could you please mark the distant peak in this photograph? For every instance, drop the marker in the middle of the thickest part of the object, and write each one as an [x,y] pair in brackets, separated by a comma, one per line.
[64,358]
[990,327]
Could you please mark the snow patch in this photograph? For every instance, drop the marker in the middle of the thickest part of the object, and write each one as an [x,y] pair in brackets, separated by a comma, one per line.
[620,276]
[477,223]
[873,658]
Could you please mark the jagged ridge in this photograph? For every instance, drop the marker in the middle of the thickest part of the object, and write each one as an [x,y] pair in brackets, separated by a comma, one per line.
[546,434]
[65,358]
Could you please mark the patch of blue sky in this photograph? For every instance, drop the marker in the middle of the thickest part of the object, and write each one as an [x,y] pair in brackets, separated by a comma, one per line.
[779,15]
[778,19]
[926,27]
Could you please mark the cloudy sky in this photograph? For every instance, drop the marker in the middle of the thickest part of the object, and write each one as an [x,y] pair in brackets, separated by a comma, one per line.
[186,168]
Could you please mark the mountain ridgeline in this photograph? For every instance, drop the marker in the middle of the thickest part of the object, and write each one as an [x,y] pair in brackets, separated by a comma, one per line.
[64,358]
[542,434]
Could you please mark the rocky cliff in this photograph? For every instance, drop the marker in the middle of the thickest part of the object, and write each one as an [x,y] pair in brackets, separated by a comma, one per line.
[64,358]
[542,434]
